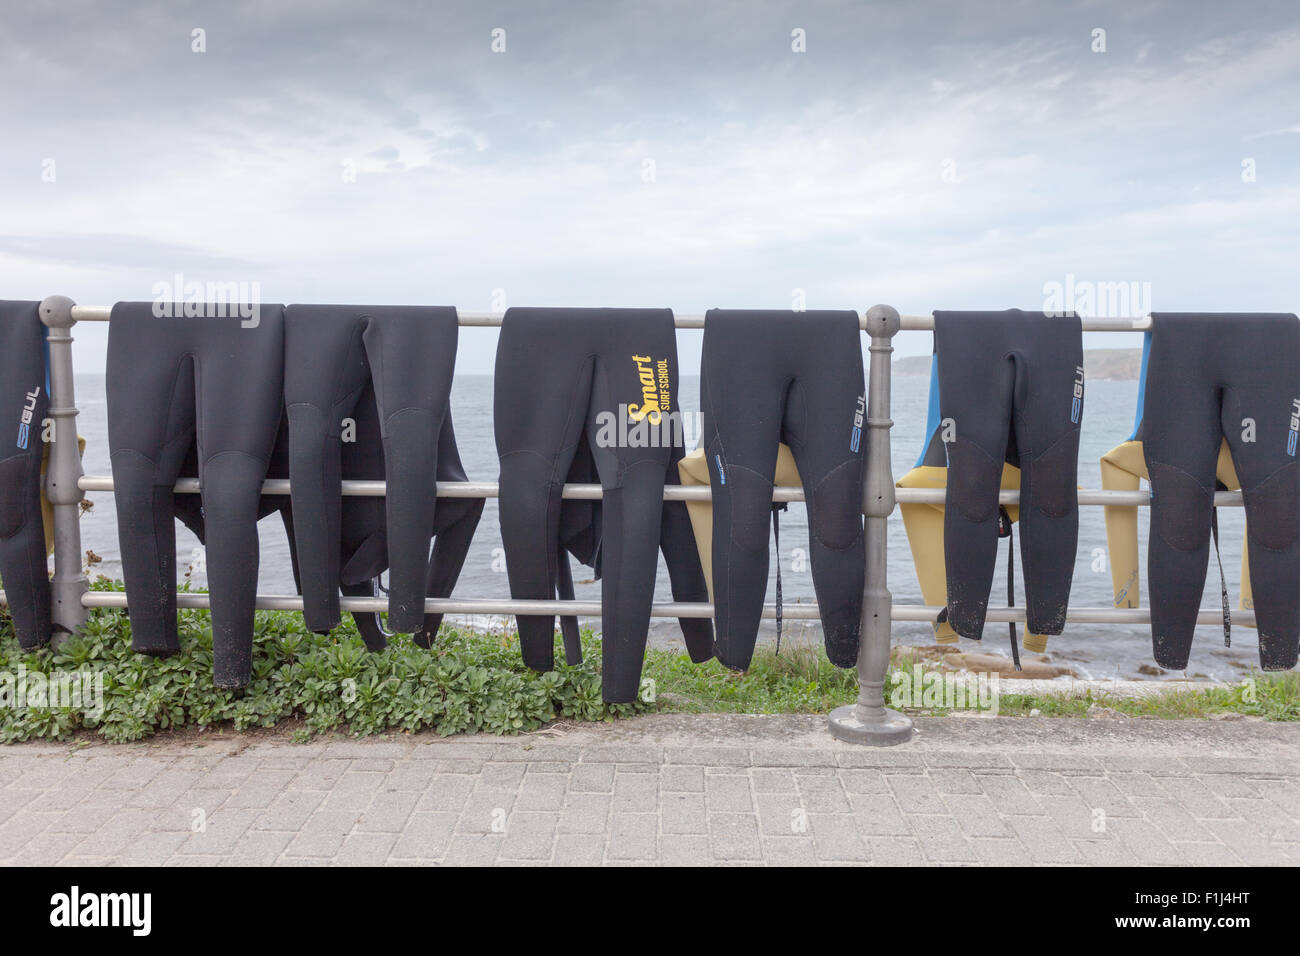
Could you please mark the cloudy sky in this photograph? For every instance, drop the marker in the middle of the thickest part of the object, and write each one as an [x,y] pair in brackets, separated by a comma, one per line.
[684,154]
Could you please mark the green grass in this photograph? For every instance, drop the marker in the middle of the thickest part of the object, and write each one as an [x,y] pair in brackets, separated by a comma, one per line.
[308,684]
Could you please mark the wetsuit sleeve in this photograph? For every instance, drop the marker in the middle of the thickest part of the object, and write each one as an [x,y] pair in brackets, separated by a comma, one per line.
[455,522]
[677,541]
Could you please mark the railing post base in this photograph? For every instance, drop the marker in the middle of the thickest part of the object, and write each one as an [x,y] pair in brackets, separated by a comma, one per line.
[886,729]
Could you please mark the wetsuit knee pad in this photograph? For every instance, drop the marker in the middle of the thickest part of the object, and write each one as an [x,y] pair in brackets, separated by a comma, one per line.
[751,508]
[1178,495]
[835,517]
[974,480]
[1054,475]
[1276,496]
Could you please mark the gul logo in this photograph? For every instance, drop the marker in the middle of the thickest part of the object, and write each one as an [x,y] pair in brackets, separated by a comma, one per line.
[1294,430]
[25,419]
[131,910]
[855,440]
[656,390]
[1076,406]
[722,472]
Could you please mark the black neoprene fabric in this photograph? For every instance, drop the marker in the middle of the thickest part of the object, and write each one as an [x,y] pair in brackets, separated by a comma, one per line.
[795,377]
[24,400]
[562,376]
[387,369]
[215,383]
[1211,377]
[1010,390]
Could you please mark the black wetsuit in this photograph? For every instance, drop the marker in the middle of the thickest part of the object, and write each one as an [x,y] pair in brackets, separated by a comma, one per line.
[562,376]
[1010,390]
[24,398]
[795,377]
[215,383]
[387,369]
[1211,377]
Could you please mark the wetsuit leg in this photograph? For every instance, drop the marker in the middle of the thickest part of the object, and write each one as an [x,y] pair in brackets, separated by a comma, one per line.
[822,407]
[454,525]
[412,356]
[632,479]
[536,436]
[323,381]
[1267,394]
[24,392]
[976,386]
[685,572]
[240,382]
[742,393]
[1048,409]
[149,382]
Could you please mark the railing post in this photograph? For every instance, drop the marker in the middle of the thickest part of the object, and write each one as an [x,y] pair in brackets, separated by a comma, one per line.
[63,472]
[869,721]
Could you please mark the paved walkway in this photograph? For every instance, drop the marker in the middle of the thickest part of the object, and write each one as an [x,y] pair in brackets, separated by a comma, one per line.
[706,789]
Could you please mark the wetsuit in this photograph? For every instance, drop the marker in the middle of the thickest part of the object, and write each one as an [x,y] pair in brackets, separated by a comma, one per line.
[924,522]
[379,377]
[1209,378]
[582,394]
[215,383]
[768,377]
[1010,390]
[24,398]
[1122,469]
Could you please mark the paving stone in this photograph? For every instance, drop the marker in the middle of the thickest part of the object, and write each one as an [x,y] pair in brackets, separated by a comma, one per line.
[632,836]
[941,839]
[835,837]
[734,836]
[688,779]
[592,778]
[635,792]
[682,812]
[728,793]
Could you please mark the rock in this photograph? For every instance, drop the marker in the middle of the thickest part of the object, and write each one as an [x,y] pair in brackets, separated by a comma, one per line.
[1150,670]
[1004,667]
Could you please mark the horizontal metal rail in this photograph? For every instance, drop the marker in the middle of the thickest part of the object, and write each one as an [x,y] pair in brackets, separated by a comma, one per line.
[795,612]
[1087,496]
[488,489]
[1135,323]
[102,313]
[452,489]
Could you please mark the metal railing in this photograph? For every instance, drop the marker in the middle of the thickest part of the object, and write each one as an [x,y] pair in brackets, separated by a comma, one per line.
[867,721]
